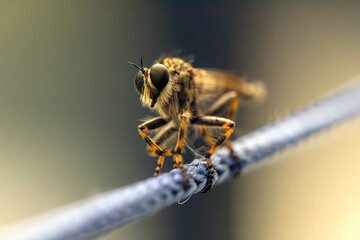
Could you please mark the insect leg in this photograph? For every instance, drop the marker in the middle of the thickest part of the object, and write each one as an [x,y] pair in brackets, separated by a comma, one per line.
[213,121]
[215,109]
[161,138]
[178,160]
[210,141]
[228,98]
[154,149]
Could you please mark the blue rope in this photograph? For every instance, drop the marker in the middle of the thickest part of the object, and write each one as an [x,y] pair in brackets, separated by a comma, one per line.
[95,216]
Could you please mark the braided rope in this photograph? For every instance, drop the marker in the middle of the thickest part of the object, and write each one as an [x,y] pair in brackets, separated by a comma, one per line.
[95,216]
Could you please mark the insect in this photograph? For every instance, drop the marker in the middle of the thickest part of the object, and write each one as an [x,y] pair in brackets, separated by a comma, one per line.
[177,91]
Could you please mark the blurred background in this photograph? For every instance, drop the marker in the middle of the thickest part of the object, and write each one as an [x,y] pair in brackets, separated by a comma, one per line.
[69,111]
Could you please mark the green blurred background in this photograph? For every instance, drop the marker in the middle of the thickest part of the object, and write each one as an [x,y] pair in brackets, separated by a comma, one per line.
[69,112]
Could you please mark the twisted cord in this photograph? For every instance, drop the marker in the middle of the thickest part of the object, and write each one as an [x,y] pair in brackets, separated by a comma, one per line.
[97,215]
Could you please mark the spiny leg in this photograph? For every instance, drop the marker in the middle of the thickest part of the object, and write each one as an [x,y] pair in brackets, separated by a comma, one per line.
[213,121]
[232,99]
[154,149]
[233,107]
[161,138]
[210,141]
[229,98]
[222,102]
[178,160]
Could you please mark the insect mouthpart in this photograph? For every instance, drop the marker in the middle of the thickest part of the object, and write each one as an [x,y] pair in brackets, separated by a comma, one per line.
[154,98]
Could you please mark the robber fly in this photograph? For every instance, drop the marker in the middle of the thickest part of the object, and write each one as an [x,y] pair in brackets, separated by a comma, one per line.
[176,91]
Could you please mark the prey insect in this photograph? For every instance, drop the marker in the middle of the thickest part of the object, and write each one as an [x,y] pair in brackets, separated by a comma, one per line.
[185,96]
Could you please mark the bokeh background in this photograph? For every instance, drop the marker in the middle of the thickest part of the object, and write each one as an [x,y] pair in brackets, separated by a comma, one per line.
[69,112]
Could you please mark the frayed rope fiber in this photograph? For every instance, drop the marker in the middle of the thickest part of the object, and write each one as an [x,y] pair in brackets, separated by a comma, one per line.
[92,217]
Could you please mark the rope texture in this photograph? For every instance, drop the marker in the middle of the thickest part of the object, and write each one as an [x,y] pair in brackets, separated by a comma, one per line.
[95,216]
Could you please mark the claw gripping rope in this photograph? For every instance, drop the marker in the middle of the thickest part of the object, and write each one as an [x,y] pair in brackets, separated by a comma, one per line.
[95,216]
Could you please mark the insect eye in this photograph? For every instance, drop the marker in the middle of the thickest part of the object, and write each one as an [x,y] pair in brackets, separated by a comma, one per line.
[139,82]
[159,76]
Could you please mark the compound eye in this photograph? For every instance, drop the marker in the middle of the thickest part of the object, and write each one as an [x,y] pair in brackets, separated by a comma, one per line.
[139,82]
[159,76]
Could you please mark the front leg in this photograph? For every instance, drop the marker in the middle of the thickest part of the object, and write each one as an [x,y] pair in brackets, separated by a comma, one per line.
[178,160]
[154,149]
